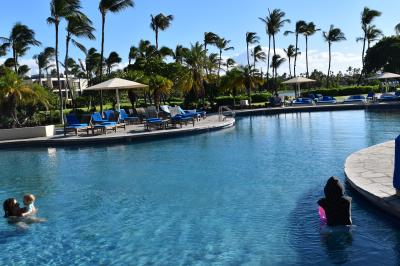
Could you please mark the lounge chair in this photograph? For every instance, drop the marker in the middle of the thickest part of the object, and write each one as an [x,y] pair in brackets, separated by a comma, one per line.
[72,124]
[141,113]
[193,113]
[151,112]
[128,119]
[178,118]
[325,100]
[303,102]
[155,123]
[355,99]
[97,119]
[388,97]
[115,117]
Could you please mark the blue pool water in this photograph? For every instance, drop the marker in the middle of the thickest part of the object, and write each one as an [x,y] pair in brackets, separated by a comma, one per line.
[241,196]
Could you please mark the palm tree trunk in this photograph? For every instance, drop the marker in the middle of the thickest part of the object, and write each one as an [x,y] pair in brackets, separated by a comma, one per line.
[362,59]
[269,50]
[329,66]
[290,68]
[15,60]
[66,70]
[307,56]
[156,39]
[58,78]
[40,76]
[295,55]
[219,63]
[248,59]
[103,21]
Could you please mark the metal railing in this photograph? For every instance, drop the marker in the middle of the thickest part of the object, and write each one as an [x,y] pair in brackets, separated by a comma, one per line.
[224,111]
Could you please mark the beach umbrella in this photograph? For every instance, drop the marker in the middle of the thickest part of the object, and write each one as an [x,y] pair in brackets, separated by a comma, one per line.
[298,81]
[385,76]
[116,84]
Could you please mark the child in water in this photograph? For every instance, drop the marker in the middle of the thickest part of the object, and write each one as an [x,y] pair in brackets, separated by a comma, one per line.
[29,207]
[336,205]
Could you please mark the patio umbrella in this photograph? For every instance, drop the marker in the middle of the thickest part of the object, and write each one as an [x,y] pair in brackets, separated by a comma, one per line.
[385,76]
[116,84]
[298,81]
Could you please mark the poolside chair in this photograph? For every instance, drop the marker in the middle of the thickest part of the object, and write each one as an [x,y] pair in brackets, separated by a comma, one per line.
[157,123]
[114,117]
[178,118]
[72,124]
[151,112]
[141,113]
[192,113]
[97,119]
[128,119]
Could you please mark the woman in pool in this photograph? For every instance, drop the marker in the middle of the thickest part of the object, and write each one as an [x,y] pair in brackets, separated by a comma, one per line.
[13,213]
[336,205]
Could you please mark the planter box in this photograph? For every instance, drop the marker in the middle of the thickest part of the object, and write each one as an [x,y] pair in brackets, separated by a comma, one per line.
[27,132]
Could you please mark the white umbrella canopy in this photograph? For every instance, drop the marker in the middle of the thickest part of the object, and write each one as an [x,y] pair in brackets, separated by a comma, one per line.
[116,84]
[385,75]
[298,81]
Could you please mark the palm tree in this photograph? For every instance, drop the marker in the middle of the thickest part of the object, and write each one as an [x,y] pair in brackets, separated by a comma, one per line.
[211,62]
[20,40]
[277,22]
[251,38]
[373,34]
[43,60]
[299,29]
[276,62]
[60,9]
[160,22]
[229,62]
[397,29]
[222,45]
[291,52]
[331,36]
[209,38]
[258,55]
[268,29]
[194,60]
[112,60]
[180,53]
[309,30]
[113,6]
[79,27]
[133,54]
[367,16]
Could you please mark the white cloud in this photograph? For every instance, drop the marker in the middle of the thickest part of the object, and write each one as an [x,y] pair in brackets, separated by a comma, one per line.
[316,60]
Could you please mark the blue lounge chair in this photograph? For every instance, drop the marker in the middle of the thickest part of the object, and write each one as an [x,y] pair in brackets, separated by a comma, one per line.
[388,97]
[192,113]
[178,118]
[129,119]
[326,100]
[155,122]
[303,102]
[97,119]
[355,99]
[72,124]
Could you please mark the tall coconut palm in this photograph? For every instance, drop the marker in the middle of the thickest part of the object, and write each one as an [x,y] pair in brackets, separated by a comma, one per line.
[367,16]
[223,45]
[291,52]
[209,38]
[60,9]
[309,30]
[79,27]
[211,63]
[180,53]
[373,35]
[20,40]
[133,54]
[331,36]
[160,22]
[105,6]
[276,62]
[268,29]
[299,29]
[43,60]
[112,60]
[229,63]
[251,38]
[277,22]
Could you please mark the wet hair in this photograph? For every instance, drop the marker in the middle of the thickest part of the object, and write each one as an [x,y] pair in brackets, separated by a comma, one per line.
[8,204]
[333,189]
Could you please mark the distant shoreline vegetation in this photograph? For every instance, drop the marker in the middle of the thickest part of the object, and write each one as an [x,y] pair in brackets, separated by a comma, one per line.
[197,76]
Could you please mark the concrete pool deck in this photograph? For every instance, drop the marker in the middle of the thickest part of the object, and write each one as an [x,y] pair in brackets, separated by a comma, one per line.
[370,172]
[131,134]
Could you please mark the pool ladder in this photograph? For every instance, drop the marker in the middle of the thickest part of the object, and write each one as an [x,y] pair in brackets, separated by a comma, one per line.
[224,111]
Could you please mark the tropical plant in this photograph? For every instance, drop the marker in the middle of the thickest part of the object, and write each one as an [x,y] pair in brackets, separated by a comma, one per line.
[161,87]
[19,41]
[229,62]
[160,22]
[209,38]
[367,16]
[105,6]
[60,9]
[133,54]
[309,30]
[268,29]
[397,29]
[223,45]
[258,55]
[180,53]
[276,62]
[251,38]
[331,36]
[44,61]
[194,60]
[291,52]
[300,28]
[112,60]
[380,56]
[373,35]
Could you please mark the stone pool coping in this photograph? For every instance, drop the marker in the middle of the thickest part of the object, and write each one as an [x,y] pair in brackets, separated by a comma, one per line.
[370,173]
[131,134]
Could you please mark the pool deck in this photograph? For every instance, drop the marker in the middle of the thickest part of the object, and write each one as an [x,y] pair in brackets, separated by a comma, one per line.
[370,172]
[131,134]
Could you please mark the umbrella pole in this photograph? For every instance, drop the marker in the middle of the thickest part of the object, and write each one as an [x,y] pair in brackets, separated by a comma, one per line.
[298,89]
[101,101]
[117,96]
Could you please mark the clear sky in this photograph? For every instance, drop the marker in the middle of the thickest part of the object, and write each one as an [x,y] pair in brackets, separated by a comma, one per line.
[230,19]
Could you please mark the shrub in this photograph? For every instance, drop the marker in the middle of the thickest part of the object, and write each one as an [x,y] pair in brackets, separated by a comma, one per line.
[343,91]
[260,97]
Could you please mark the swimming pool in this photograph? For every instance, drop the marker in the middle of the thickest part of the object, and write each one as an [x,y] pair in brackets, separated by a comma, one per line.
[241,196]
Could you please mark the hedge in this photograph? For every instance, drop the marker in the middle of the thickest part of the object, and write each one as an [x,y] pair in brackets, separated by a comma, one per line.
[255,98]
[344,91]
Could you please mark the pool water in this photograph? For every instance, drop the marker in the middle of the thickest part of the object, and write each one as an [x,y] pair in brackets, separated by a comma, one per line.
[241,196]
